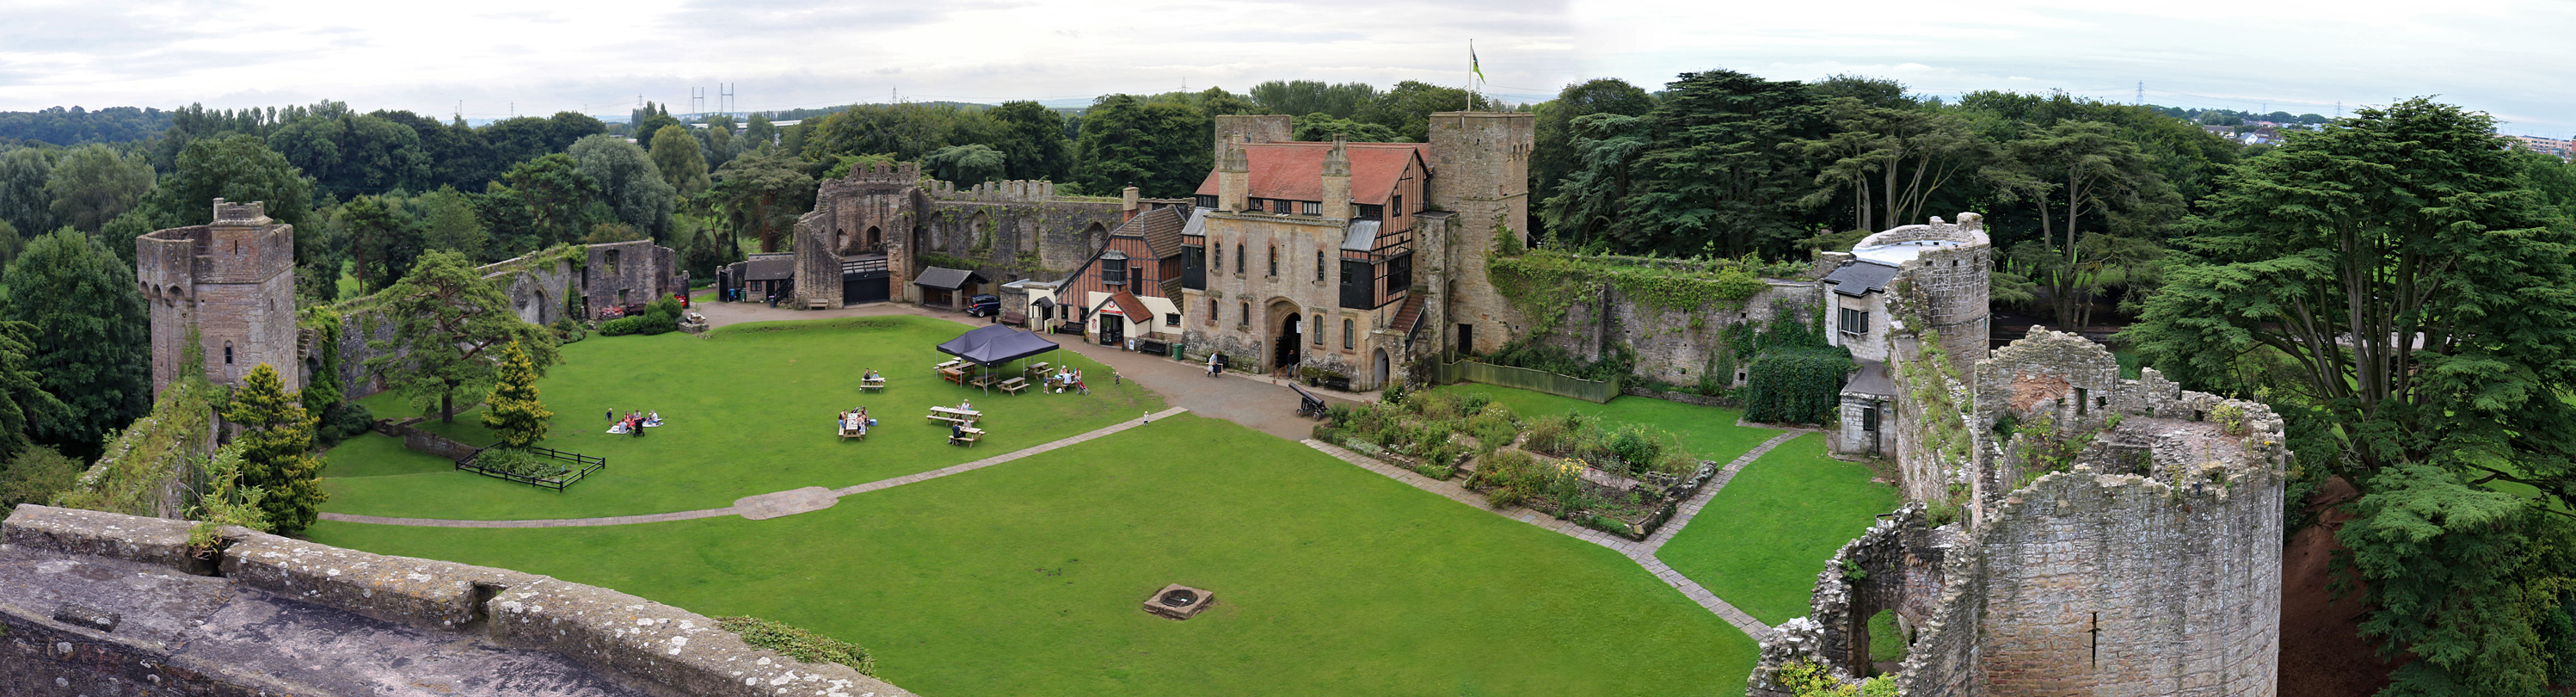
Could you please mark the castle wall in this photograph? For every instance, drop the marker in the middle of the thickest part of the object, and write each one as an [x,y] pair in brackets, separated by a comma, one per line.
[1675,345]
[1006,230]
[1480,174]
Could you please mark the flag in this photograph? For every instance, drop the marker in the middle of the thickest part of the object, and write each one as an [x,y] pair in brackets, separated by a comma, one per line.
[1472,67]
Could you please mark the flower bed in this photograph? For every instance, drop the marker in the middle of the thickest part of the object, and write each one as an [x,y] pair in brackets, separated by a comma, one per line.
[1625,480]
[545,467]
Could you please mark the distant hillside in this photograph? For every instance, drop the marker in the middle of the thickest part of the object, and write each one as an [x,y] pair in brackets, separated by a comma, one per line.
[75,125]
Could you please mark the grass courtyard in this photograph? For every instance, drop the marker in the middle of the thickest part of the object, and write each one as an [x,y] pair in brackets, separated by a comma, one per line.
[747,411]
[1024,579]
[1761,540]
[1709,432]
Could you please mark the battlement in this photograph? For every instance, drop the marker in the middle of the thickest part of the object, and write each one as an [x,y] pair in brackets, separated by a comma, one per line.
[1971,229]
[1007,191]
[253,213]
[884,172]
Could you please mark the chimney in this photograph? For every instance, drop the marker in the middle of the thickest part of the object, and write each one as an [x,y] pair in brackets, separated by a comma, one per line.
[1233,179]
[1127,204]
[1337,181]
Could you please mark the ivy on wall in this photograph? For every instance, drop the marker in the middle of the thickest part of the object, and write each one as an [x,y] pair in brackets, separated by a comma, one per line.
[1543,283]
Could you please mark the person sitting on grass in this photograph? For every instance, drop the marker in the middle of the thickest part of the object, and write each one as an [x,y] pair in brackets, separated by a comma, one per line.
[653,418]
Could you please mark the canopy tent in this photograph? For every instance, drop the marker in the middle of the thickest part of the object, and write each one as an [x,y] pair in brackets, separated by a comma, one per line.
[994,344]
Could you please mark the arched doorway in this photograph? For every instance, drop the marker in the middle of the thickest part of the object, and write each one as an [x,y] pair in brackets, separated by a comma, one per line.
[875,240]
[1383,368]
[1288,345]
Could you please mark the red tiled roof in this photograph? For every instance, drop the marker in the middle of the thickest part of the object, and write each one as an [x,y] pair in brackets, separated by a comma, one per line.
[1127,305]
[1295,171]
[1160,228]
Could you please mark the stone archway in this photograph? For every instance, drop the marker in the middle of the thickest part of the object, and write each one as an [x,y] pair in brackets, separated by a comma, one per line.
[876,239]
[1287,333]
[1384,367]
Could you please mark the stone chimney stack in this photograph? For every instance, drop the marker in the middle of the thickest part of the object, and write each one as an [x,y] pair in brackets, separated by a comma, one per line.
[1233,179]
[1127,204]
[1337,181]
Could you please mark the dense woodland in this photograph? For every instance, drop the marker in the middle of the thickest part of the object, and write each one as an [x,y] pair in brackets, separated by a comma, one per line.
[2243,270]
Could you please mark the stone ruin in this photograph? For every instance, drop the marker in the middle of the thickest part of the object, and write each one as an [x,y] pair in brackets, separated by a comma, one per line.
[108,604]
[2119,538]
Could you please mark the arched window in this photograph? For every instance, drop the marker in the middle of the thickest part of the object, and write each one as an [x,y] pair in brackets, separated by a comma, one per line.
[228,353]
[1213,310]
[1247,312]
[1346,335]
[1238,258]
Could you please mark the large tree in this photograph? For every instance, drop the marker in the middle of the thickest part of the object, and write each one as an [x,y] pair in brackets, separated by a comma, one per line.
[557,197]
[761,196]
[24,403]
[276,449]
[91,339]
[1408,107]
[448,327]
[353,154]
[1712,169]
[240,169]
[94,183]
[23,203]
[1891,160]
[1340,101]
[1160,147]
[515,414]
[2393,287]
[379,238]
[1552,155]
[2073,173]
[676,155]
[629,182]
[1032,136]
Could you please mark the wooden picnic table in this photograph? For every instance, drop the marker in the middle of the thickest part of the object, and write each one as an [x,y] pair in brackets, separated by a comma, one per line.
[877,383]
[1014,385]
[954,415]
[985,380]
[966,436]
[952,363]
[860,432]
[956,375]
[1038,367]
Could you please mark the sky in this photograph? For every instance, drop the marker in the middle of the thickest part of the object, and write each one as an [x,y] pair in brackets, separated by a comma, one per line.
[496,58]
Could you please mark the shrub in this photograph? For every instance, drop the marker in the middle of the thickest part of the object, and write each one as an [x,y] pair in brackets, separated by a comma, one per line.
[1796,385]
[1633,447]
[520,462]
[1433,405]
[341,422]
[799,644]
[1550,434]
[1493,428]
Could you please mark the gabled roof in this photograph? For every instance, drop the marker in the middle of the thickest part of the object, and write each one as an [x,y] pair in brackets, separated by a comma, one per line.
[1160,228]
[945,278]
[1295,171]
[1860,278]
[1128,306]
[771,269]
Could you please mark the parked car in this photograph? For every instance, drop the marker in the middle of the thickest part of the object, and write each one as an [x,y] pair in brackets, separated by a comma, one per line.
[983,306]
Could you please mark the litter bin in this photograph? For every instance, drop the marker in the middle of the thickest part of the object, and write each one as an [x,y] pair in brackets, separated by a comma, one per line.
[1177,354]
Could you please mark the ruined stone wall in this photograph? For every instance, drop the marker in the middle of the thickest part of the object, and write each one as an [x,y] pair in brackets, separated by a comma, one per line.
[1010,240]
[182,638]
[1675,345]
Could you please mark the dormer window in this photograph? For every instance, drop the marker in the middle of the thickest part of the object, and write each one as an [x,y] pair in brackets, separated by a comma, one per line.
[1372,211]
[1280,206]
[1310,207]
[1207,201]
[1115,275]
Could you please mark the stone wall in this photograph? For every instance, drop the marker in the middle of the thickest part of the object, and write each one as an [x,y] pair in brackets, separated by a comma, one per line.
[1675,345]
[232,281]
[1480,175]
[347,606]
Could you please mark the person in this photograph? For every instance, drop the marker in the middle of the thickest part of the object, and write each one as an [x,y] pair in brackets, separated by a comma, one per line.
[1212,364]
[653,418]
[610,416]
[1078,386]
[965,405]
[871,374]
[956,431]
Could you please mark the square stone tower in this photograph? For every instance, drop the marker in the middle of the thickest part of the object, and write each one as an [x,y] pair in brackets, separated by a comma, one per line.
[1480,174]
[232,280]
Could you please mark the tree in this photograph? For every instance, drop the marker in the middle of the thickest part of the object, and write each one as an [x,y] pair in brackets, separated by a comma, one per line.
[446,321]
[629,182]
[379,238]
[1711,170]
[276,448]
[648,121]
[447,220]
[676,155]
[1909,152]
[967,165]
[1033,138]
[1552,156]
[514,413]
[34,476]
[351,154]
[10,242]
[1408,107]
[761,195]
[23,399]
[93,184]
[760,132]
[90,338]
[2394,289]
[2073,172]
[1320,126]
[240,169]
[23,203]
[1159,147]
[1340,101]
[1590,199]
[557,198]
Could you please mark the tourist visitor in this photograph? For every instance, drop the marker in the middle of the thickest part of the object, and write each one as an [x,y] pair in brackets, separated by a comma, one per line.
[1213,363]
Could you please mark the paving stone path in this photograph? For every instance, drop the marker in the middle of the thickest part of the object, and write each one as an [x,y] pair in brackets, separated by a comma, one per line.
[1642,552]
[764,506]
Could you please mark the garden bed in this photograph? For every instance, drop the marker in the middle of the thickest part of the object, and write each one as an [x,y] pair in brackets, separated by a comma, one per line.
[1625,480]
[545,467]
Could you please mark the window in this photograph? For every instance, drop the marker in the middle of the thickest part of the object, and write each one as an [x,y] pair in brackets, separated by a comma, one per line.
[1319,264]
[1318,326]
[1207,201]
[612,261]
[1372,211]
[1274,260]
[1216,259]
[1346,335]
[228,353]
[1246,320]
[1171,319]
[1238,258]
[1113,274]
[1280,206]
[1213,311]
[1310,207]
[1869,418]
[2081,399]
[1855,321]
[1397,204]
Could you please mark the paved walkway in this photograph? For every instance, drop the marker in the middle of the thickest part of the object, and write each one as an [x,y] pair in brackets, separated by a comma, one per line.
[764,506]
[1642,552]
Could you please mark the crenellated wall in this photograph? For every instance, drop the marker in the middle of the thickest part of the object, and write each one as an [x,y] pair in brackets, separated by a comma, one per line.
[233,281]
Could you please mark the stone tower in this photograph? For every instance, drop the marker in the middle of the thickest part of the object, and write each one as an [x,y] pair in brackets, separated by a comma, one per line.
[233,280]
[1233,179]
[1480,174]
[1337,182]
[1248,129]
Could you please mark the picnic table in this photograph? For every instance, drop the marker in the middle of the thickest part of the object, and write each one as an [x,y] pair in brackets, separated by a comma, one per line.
[954,415]
[1033,368]
[875,383]
[859,431]
[1014,385]
[952,363]
[953,374]
[985,380]
[966,436]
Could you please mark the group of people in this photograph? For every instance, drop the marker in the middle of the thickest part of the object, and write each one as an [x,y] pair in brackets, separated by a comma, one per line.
[856,419]
[1068,377]
[634,422]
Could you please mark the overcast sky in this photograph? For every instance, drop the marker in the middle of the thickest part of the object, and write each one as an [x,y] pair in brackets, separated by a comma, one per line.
[498,57]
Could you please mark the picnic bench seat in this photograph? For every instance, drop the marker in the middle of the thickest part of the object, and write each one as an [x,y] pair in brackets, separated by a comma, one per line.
[951,419]
[967,438]
[817,304]
[876,384]
[1014,385]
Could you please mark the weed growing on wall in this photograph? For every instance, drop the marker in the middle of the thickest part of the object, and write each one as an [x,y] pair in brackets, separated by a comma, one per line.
[798,643]
[1542,283]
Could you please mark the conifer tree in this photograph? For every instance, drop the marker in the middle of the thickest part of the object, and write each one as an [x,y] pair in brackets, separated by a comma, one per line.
[515,414]
[276,446]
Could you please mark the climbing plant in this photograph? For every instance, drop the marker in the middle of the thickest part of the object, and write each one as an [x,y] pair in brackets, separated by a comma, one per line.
[1543,283]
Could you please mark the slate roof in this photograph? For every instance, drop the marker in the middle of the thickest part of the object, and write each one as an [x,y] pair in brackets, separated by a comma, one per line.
[1295,171]
[1860,278]
[1872,380]
[1360,236]
[946,278]
[772,269]
[1160,228]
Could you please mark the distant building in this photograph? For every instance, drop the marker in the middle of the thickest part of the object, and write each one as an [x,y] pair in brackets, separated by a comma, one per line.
[2564,149]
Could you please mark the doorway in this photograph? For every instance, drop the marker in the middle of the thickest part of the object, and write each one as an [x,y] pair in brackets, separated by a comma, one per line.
[1113,329]
[1289,346]
[1383,368]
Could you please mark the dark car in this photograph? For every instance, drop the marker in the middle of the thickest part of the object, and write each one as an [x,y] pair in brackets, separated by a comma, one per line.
[983,306]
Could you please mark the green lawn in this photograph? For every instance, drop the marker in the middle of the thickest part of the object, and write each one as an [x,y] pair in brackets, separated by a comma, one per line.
[1761,540]
[1708,431]
[748,411]
[1025,579]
